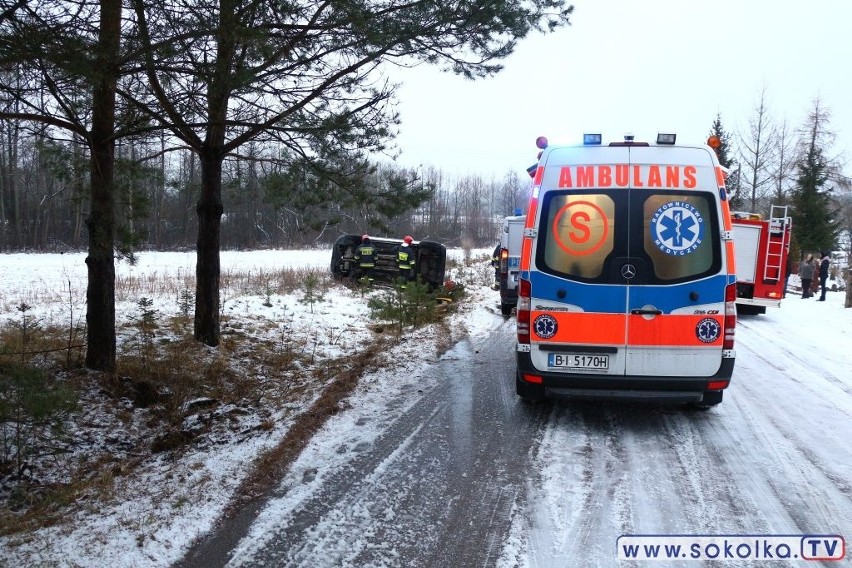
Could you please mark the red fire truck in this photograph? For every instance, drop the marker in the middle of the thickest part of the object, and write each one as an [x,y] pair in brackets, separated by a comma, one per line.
[761,247]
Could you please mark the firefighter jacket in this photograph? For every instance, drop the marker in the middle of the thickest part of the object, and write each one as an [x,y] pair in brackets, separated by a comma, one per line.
[365,254]
[405,257]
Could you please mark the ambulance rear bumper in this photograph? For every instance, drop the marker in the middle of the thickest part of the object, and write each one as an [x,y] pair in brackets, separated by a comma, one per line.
[635,388]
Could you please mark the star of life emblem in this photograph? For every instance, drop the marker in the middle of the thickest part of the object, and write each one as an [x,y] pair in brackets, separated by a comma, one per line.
[545,326]
[677,228]
[708,330]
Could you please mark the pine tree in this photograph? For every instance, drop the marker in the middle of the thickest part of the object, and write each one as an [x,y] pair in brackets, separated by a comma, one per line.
[67,58]
[814,217]
[722,152]
[812,212]
[306,75]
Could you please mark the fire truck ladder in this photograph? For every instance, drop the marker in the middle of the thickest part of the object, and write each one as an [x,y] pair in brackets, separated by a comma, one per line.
[779,240]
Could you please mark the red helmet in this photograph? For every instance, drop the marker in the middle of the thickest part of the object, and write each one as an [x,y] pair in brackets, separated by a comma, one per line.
[408,239]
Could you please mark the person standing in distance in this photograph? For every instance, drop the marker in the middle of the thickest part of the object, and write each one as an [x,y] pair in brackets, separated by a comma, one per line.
[365,254]
[806,273]
[824,263]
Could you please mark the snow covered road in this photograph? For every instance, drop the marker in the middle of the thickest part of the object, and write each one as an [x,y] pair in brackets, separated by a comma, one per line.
[453,470]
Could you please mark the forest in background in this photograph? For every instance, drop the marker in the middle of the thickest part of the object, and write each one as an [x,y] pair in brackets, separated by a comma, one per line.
[269,203]
[44,199]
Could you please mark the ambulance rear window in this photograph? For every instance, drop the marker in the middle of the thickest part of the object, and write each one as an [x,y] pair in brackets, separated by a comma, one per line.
[678,235]
[580,233]
[668,235]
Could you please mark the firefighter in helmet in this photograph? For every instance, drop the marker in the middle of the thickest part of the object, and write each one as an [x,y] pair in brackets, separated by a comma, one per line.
[495,264]
[365,255]
[405,259]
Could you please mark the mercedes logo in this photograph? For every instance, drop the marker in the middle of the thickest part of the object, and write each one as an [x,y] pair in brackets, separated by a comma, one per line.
[628,271]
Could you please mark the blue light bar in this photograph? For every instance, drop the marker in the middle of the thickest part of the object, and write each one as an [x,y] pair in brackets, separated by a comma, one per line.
[592,139]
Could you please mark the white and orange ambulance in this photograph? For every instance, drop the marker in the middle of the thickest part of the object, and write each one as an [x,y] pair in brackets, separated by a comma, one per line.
[627,280]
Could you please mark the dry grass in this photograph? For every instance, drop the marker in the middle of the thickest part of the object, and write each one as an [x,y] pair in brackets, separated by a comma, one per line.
[161,370]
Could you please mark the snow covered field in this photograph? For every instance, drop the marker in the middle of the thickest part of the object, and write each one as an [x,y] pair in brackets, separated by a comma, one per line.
[785,422]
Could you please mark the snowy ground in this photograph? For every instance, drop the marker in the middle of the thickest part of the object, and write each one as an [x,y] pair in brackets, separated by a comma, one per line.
[152,515]
[155,514]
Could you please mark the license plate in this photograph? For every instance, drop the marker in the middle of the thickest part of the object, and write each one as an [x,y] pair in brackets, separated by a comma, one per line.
[578,361]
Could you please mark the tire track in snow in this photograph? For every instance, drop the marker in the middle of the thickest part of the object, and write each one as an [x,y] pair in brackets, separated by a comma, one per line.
[801,482]
[582,490]
[791,397]
[435,488]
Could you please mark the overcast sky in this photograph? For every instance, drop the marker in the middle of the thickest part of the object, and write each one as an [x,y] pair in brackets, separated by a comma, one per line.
[640,67]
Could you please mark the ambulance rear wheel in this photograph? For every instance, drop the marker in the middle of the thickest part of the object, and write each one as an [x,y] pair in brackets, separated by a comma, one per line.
[506,309]
[527,392]
[711,399]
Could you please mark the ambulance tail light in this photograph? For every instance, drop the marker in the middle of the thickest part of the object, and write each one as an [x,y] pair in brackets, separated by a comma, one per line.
[730,323]
[504,261]
[717,385]
[522,312]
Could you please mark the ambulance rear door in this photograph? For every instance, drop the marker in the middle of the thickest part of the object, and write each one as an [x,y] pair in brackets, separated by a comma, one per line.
[674,268]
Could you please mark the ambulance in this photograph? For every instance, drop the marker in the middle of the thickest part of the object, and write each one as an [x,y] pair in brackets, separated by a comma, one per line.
[627,282]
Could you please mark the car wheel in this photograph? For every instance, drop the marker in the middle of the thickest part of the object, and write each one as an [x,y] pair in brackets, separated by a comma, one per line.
[506,309]
[528,393]
[710,399]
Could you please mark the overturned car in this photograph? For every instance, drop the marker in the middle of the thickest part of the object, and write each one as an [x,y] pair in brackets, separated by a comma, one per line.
[429,266]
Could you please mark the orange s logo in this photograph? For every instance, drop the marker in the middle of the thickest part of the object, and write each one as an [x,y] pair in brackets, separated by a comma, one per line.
[581,231]
[580,227]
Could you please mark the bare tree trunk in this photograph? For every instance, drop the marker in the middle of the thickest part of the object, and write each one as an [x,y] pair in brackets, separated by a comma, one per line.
[159,196]
[207,268]
[5,176]
[846,274]
[15,189]
[100,294]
